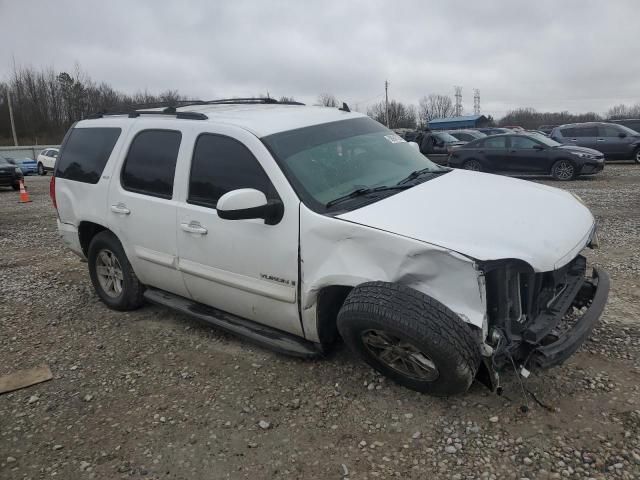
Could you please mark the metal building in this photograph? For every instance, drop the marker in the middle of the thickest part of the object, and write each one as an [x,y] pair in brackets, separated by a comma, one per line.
[454,123]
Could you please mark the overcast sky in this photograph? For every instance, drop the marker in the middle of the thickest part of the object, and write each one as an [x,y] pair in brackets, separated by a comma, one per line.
[551,55]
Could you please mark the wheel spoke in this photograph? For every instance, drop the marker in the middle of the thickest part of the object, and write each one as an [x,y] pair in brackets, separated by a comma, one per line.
[102,270]
[117,284]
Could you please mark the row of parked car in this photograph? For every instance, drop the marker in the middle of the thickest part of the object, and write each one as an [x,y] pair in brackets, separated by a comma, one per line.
[568,151]
[13,170]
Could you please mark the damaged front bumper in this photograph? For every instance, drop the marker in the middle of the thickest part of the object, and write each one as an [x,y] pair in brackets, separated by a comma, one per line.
[540,319]
[553,349]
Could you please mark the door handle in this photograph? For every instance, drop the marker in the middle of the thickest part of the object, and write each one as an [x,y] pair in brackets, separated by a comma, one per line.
[120,208]
[194,227]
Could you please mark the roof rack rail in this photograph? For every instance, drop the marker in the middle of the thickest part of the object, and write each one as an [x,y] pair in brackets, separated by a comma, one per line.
[166,111]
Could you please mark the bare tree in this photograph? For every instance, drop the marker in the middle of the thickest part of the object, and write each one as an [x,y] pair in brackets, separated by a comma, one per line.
[285,99]
[327,100]
[435,106]
[530,118]
[400,115]
[624,111]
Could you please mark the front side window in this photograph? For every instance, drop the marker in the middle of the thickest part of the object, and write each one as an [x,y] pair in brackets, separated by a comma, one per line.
[523,143]
[609,131]
[325,162]
[85,153]
[221,164]
[151,163]
[496,142]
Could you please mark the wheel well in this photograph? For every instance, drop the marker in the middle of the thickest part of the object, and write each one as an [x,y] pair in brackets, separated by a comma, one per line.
[86,232]
[329,303]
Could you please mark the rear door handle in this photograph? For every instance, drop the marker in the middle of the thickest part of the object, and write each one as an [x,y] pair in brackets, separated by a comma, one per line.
[120,208]
[194,227]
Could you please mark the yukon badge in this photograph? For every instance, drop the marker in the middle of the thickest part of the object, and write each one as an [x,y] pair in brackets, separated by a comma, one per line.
[273,278]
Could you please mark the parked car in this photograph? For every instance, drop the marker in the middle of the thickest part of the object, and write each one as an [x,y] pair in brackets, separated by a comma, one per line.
[466,135]
[493,130]
[632,123]
[527,154]
[294,226]
[616,142]
[546,129]
[438,145]
[26,165]
[47,160]
[10,174]
[514,128]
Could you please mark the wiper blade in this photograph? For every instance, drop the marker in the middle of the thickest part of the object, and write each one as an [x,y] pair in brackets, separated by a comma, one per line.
[418,173]
[364,191]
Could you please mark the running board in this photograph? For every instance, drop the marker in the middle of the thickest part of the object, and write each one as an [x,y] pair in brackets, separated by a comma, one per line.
[262,335]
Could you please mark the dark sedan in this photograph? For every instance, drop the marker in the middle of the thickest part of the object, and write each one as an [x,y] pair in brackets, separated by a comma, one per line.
[10,175]
[527,154]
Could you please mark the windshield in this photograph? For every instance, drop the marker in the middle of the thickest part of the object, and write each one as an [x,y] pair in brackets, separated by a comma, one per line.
[627,130]
[544,139]
[445,137]
[325,162]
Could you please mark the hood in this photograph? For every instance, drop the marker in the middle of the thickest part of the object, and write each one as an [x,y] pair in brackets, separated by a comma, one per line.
[486,217]
[575,149]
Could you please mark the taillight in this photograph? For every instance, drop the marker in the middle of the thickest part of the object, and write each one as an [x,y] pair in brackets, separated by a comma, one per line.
[52,191]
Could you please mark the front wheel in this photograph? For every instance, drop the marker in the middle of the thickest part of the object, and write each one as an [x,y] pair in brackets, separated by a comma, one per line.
[636,155]
[563,170]
[41,170]
[410,338]
[113,278]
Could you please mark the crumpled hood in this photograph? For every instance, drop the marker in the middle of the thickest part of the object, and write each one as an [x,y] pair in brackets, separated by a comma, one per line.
[486,217]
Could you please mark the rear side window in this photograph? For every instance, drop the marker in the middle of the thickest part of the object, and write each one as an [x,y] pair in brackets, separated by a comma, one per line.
[586,132]
[221,164]
[568,132]
[151,163]
[85,153]
[496,142]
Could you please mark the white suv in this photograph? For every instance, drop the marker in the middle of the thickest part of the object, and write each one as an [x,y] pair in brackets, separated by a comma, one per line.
[295,226]
[47,160]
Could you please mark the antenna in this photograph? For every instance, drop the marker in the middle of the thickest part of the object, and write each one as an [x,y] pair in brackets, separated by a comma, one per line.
[458,107]
[476,101]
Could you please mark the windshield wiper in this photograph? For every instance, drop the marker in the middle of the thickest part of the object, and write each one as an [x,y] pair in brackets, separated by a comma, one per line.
[364,191]
[418,173]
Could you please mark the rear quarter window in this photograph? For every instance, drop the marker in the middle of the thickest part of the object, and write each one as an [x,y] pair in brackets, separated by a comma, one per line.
[85,153]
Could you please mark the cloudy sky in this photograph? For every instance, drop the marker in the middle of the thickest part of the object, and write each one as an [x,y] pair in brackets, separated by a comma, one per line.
[580,55]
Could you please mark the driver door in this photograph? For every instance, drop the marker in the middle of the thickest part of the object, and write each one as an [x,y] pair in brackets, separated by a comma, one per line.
[244,267]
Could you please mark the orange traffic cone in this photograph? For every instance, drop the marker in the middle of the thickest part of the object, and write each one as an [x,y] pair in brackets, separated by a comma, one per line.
[24,196]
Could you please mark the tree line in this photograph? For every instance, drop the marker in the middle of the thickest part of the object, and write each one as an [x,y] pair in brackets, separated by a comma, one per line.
[46,102]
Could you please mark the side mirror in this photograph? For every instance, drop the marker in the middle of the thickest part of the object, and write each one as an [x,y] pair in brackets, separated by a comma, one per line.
[414,145]
[622,135]
[249,203]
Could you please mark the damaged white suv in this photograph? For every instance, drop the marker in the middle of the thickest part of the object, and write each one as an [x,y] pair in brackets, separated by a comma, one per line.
[295,226]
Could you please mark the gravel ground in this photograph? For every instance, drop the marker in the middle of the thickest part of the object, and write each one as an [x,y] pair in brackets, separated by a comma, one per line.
[154,394]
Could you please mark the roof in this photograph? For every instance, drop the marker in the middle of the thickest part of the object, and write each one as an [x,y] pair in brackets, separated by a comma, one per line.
[263,120]
[465,118]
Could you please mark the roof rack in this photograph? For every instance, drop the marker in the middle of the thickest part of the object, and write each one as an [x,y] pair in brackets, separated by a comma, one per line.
[170,107]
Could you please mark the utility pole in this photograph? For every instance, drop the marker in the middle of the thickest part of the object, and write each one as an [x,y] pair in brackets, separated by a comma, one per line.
[386,100]
[13,125]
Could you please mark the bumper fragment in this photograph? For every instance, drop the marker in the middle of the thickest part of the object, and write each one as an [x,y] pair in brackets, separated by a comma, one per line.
[555,353]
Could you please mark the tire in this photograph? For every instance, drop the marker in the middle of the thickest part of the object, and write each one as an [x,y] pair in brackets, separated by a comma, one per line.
[129,296]
[443,342]
[636,155]
[473,165]
[563,170]
[16,186]
[41,170]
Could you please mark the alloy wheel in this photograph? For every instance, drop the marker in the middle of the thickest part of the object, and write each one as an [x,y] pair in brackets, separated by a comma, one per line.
[564,170]
[109,273]
[400,355]
[473,165]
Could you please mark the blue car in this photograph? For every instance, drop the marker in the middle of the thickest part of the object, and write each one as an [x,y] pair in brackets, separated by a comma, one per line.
[28,166]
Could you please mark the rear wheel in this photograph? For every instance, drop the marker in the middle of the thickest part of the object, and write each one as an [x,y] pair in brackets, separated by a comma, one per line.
[563,170]
[410,338]
[113,278]
[41,170]
[473,165]
[636,155]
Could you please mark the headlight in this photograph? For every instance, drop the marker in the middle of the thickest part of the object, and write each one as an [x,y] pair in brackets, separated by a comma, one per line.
[586,155]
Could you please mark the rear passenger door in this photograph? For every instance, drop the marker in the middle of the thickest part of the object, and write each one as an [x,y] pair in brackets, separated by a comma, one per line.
[141,208]
[587,136]
[495,153]
[244,267]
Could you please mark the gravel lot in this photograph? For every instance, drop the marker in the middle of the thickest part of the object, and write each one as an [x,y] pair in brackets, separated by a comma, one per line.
[154,394]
